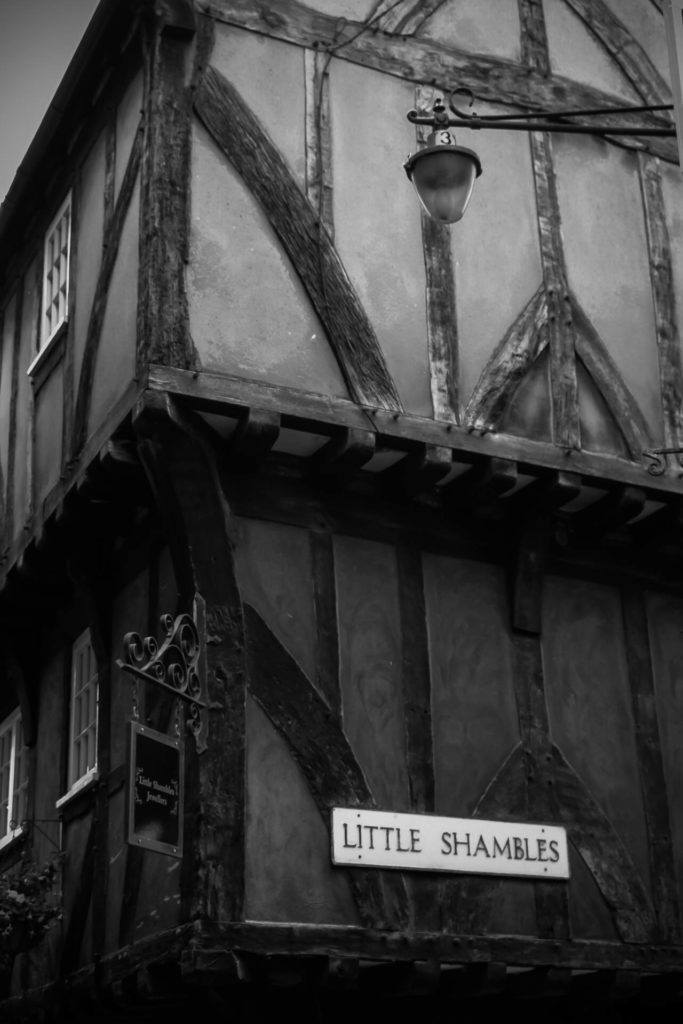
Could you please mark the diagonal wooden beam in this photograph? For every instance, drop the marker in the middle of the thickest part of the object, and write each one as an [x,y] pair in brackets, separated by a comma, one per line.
[662,283]
[314,736]
[592,834]
[624,49]
[99,304]
[245,143]
[513,357]
[493,79]
[605,374]
[405,17]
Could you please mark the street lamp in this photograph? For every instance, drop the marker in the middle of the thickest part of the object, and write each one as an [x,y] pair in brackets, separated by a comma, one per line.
[444,173]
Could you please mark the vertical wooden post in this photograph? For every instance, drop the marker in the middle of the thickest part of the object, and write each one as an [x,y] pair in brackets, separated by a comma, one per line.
[183,473]
[442,314]
[561,332]
[163,318]
[649,749]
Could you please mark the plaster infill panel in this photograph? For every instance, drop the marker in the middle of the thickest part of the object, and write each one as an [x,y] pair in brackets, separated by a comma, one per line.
[576,54]
[606,252]
[495,247]
[250,315]
[486,26]
[377,219]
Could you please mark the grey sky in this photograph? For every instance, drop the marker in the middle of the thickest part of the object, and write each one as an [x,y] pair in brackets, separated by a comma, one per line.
[37,40]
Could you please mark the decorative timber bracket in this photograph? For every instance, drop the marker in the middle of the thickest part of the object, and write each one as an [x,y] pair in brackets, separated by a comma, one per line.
[173,665]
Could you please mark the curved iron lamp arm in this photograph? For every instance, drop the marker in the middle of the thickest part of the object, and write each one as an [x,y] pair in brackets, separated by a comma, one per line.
[533,121]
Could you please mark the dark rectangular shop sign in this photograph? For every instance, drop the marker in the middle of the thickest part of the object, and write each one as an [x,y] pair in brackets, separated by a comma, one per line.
[427,842]
[155,791]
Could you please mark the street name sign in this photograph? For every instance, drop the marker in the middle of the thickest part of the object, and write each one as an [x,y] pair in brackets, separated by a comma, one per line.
[426,842]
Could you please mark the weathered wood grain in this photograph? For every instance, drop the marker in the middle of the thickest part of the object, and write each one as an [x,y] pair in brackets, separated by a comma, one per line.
[13,412]
[342,941]
[99,304]
[220,393]
[415,679]
[319,137]
[511,360]
[561,334]
[163,317]
[327,633]
[182,469]
[68,365]
[529,569]
[419,60]
[442,316]
[662,283]
[624,49]
[404,17]
[652,777]
[533,36]
[109,176]
[323,754]
[605,374]
[552,902]
[442,322]
[245,143]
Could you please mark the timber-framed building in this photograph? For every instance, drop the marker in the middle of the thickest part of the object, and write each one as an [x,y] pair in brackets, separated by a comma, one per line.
[396,475]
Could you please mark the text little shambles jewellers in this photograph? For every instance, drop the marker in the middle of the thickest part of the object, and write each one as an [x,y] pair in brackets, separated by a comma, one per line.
[425,842]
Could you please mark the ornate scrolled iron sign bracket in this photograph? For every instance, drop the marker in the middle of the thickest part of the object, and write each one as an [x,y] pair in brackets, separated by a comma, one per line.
[173,665]
[657,458]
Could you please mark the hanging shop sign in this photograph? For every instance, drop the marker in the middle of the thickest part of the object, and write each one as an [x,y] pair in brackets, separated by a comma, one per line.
[155,791]
[426,842]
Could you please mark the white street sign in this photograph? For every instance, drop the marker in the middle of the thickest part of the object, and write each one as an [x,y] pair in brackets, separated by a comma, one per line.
[426,842]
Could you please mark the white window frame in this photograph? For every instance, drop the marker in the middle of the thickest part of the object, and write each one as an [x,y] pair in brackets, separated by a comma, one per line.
[47,336]
[77,782]
[11,723]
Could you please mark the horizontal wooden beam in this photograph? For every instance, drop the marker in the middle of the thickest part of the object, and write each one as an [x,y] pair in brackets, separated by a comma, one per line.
[419,59]
[341,941]
[305,410]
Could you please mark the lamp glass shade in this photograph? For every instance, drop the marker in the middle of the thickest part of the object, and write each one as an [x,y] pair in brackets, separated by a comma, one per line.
[444,179]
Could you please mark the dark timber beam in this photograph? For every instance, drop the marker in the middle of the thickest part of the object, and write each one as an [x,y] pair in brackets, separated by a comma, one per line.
[422,60]
[182,470]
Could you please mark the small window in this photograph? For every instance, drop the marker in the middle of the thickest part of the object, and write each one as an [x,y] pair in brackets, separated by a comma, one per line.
[83,731]
[56,273]
[13,777]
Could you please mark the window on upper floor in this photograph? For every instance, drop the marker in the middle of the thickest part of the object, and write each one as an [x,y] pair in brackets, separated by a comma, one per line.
[56,274]
[83,713]
[13,777]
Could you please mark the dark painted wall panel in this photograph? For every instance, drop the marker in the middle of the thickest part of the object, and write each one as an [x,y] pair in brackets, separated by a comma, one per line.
[273,564]
[48,435]
[665,614]
[473,705]
[589,702]
[370,666]
[289,876]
